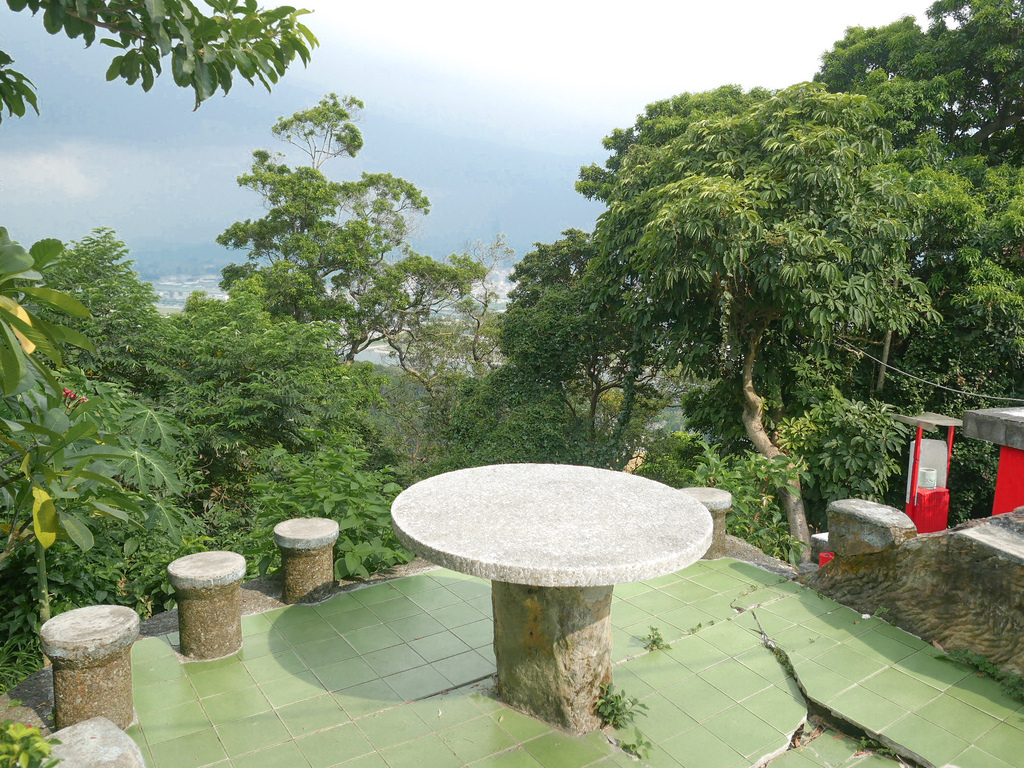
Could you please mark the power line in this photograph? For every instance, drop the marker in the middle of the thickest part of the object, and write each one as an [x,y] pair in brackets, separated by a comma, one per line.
[925,381]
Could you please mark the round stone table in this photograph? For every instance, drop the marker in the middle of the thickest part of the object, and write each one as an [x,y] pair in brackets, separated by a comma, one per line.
[553,540]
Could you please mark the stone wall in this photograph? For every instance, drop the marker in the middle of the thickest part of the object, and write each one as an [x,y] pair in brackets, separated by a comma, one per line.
[961,588]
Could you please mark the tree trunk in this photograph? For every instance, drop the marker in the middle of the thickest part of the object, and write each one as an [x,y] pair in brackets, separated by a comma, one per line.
[886,346]
[753,423]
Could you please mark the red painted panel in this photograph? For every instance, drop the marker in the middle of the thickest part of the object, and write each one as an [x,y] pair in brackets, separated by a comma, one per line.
[930,513]
[1009,481]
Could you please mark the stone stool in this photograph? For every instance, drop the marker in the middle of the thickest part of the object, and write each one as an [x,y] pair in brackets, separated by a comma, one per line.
[307,557]
[719,503]
[91,651]
[209,603]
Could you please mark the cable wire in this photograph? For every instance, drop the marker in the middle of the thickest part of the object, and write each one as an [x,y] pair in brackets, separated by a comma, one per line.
[925,381]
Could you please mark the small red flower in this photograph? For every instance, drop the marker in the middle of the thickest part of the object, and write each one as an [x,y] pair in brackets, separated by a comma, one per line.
[72,399]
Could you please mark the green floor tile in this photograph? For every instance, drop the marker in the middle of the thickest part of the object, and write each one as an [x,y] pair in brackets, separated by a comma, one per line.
[1004,742]
[263,644]
[173,723]
[391,727]
[734,680]
[719,607]
[378,593]
[151,648]
[746,733]
[516,757]
[464,668]
[782,708]
[155,670]
[687,591]
[686,619]
[253,733]
[796,758]
[698,698]
[333,746]
[476,634]
[658,669]
[440,712]
[419,682]
[337,604]
[821,683]
[235,705]
[482,604]
[985,694]
[192,751]
[221,680]
[936,745]
[367,698]
[659,582]
[661,720]
[476,739]
[169,693]
[625,680]
[560,750]
[627,590]
[428,750]
[897,686]
[372,639]
[281,756]
[731,637]
[879,646]
[297,687]
[308,632]
[416,627]
[751,573]
[397,608]
[263,669]
[721,582]
[291,615]
[440,646]
[695,654]
[256,624]
[833,749]
[850,663]
[625,614]
[312,715]
[801,640]
[962,719]
[372,760]
[763,663]
[390,661]
[866,709]
[655,602]
[344,674]
[519,726]
[411,585]
[350,621]
[435,599]
[927,667]
[973,757]
[468,590]
[324,652]
[701,747]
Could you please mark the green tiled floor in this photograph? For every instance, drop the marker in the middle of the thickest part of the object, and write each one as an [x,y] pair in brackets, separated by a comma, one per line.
[398,675]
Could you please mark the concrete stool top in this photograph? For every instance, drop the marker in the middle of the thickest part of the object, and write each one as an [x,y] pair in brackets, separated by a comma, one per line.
[85,634]
[206,569]
[306,533]
[552,525]
[712,498]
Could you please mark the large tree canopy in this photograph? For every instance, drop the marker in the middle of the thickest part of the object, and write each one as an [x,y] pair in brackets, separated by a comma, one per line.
[206,47]
[753,235]
[963,78]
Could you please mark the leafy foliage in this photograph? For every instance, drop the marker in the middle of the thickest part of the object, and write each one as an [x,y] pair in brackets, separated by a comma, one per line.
[23,746]
[205,50]
[654,640]
[332,483]
[617,709]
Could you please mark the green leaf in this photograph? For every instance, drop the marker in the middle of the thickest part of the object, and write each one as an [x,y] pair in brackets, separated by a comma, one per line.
[77,531]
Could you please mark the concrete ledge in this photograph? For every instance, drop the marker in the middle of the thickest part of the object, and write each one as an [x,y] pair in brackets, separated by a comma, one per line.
[859,527]
[96,743]
[1002,426]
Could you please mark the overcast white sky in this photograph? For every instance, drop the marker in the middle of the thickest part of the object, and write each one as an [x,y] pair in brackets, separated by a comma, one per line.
[490,108]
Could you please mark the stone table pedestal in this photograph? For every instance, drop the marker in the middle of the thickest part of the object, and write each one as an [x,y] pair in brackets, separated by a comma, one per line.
[553,539]
[209,603]
[307,558]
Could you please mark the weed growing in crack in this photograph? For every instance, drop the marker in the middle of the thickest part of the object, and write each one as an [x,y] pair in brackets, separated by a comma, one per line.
[617,709]
[654,641]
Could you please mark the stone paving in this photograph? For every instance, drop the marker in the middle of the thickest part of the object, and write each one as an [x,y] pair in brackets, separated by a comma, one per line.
[398,674]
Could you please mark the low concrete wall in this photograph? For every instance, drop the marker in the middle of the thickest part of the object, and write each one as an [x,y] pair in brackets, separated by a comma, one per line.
[961,588]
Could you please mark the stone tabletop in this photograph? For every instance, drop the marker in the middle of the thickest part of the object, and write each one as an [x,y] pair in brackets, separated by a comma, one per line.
[552,525]
[1002,426]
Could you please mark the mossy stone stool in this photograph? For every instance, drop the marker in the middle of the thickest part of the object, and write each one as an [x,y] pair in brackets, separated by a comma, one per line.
[719,503]
[91,651]
[209,603]
[307,557]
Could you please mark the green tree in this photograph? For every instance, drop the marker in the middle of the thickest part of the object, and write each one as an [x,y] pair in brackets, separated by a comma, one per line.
[752,235]
[338,251]
[206,49]
[962,79]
